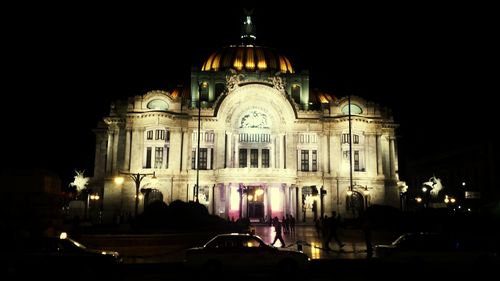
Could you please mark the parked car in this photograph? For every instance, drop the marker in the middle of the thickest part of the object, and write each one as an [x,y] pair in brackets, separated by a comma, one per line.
[242,250]
[57,255]
[438,248]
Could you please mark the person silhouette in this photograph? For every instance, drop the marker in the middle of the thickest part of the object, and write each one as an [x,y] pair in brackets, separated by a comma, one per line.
[277,228]
[332,224]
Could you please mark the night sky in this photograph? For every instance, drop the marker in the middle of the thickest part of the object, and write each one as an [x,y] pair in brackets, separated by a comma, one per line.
[65,64]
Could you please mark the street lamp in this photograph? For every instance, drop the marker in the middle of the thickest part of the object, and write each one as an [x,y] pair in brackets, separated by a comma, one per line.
[201,86]
[93,197]
[366,193]
[137,178]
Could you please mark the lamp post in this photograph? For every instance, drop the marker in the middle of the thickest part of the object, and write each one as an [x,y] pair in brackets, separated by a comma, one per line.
[366,193]
[202,85]
[137,178]
[93,197]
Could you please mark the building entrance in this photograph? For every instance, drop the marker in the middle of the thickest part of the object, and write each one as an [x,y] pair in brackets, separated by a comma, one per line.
[255,203]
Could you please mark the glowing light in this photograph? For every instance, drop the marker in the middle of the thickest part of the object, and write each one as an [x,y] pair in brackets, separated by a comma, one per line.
[446,200]
[276,199]
[463,183]
[234,199]
[250,197]
[315,251]
[424,189]
[418,199]
[63,235]
[453,200]
[259,192]
[119,180]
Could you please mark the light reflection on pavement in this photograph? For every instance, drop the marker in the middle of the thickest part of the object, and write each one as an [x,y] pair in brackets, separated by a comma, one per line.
[354,248]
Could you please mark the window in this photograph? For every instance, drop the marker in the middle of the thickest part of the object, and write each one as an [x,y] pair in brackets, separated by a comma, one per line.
[314,160]
[149,135]
[345,138]
[160,134]
[203,159]
[193,160]
[355,139]
[168,136]
[254,158]
[304,160]
[158,157]
[356,160]
[265,158]
[148,158]
[243,158]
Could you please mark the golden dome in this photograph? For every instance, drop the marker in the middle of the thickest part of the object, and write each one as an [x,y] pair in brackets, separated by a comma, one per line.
[249,58]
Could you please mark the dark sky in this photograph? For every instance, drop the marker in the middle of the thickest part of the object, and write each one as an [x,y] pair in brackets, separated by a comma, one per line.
[65,64]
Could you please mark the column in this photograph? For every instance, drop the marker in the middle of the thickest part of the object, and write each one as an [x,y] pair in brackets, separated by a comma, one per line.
[220,149]
[335,152]
[236,151]
[380,170]
[126,161]
[322,154]
[291,151]
[100,154]
[109,152]
[175,149]
[392,166]
[229,151]
[272,152]
[137,149]
[186,149]
[371,155]
[115,149]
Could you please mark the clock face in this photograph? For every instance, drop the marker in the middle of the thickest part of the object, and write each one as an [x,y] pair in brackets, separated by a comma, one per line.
[354,109]
[254,119]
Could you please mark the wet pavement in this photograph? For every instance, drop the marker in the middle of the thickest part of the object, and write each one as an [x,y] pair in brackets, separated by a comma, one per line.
[160,248]
[312,243]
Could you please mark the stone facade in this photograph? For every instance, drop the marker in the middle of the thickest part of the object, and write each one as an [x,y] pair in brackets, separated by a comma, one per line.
[253,137]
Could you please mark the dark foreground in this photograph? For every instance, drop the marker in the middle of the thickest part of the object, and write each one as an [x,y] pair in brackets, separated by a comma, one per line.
[332,269]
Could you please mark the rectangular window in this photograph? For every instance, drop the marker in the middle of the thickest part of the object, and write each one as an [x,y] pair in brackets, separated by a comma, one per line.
[254,158]
[345,138]
[148,158]
[243,158]
[314,160]
[304,160]
[203,159]
[356,160]
[160,134]
[355,138]
[265,158]
[193,160]
[168,136]
[158,157]
[149,135]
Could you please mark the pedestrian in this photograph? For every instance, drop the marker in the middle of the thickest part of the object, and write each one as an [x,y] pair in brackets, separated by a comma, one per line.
[277,228]
[332,224]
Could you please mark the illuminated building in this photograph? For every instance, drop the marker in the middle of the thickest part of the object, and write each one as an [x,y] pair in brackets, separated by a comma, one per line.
[269,145]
